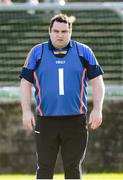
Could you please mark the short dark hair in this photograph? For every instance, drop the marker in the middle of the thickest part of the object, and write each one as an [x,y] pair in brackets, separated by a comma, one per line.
[62,18]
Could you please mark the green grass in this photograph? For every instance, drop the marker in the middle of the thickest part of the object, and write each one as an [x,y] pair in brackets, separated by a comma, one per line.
[103,176]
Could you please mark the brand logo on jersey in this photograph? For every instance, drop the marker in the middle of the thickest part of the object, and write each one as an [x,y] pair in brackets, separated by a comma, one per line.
[60,62]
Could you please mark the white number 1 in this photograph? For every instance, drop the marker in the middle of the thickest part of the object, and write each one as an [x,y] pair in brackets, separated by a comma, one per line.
[61,81]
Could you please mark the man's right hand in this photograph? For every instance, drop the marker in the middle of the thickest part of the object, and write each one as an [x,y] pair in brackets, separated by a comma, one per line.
[28,120]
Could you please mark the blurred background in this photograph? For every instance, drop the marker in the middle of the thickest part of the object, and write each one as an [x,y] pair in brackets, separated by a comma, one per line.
[23,24]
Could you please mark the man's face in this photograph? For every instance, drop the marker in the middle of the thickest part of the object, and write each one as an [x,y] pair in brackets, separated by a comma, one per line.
[60,34]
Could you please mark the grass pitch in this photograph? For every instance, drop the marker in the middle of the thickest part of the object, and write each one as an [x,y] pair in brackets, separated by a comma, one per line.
[103,176]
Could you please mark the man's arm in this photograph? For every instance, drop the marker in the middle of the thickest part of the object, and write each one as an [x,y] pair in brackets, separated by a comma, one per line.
[98,91]
[26,96]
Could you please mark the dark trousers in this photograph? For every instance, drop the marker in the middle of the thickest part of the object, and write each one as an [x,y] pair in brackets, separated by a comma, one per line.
[70,134]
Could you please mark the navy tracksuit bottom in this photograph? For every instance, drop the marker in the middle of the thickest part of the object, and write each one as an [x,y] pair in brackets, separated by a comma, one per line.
[67,132]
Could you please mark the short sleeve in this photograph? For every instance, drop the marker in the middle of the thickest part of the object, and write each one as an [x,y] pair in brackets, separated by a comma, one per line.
[90,62]
[33,58]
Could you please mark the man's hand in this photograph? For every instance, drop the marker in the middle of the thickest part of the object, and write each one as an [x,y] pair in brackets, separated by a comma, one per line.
[28,120]
[95,119]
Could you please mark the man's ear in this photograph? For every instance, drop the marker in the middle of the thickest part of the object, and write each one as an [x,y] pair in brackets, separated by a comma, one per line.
[71,31]
[49,31]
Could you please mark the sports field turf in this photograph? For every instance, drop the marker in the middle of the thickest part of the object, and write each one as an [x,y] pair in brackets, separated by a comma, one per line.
[103,176]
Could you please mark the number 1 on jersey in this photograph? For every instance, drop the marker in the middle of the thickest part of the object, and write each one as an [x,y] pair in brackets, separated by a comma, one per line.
[61,81]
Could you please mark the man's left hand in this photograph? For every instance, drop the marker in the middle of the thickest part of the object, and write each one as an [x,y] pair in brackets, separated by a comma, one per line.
[95,119]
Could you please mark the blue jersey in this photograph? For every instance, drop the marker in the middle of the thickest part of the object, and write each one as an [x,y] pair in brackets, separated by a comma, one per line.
[60,77]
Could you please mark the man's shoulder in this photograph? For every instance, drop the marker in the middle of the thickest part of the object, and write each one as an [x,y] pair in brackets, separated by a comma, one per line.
[39,46]
[83,49]
[81,45]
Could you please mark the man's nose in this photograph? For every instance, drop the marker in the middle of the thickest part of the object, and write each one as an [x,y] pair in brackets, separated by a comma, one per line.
[60,34]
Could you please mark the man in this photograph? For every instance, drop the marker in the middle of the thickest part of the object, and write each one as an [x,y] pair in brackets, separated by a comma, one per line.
[59,70]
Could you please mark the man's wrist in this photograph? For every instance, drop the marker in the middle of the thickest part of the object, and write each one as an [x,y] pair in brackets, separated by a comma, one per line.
[97,108]
[28,110]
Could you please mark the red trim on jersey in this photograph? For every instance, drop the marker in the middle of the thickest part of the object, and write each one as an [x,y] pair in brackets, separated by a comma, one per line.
[39,93]
[82,90]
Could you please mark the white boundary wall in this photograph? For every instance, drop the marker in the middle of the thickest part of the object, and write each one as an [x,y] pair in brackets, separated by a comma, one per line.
[59,6]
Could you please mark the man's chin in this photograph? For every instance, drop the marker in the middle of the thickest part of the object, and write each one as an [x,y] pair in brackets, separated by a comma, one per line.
[61,45]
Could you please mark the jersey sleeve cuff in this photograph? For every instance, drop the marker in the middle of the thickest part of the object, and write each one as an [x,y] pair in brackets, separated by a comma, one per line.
[94,71]
[27,74]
